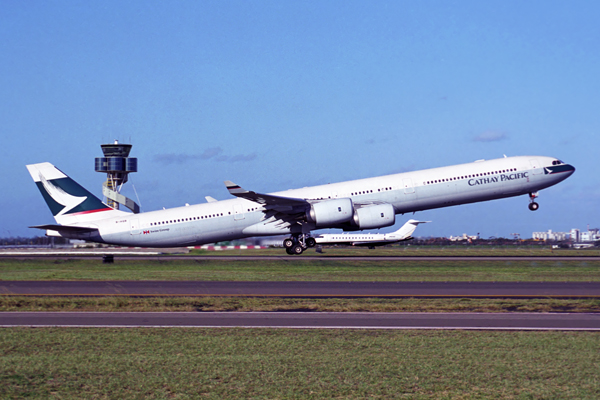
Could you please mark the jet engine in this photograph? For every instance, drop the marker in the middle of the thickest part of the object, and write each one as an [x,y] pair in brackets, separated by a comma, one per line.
[330,212]
[375,216]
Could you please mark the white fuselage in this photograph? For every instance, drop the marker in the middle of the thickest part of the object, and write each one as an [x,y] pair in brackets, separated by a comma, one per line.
[356,239]
[371,239]
[407,192]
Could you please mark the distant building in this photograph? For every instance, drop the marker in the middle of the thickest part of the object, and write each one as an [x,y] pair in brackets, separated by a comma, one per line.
[590,236]
[550,236]
[574,235]
[463,237]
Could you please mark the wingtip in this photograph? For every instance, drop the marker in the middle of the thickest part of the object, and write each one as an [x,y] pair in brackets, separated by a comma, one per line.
[233,188]
[230,185]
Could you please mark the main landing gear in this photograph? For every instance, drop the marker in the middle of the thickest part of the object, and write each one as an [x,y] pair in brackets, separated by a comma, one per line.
[296,244]
[532,204]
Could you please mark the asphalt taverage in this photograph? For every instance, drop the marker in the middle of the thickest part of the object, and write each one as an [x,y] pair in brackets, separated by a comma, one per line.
[346,320]
[307,320]
[134,254]
[303,289]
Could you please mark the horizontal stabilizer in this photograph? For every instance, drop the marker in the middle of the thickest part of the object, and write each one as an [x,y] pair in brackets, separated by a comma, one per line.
[66,228]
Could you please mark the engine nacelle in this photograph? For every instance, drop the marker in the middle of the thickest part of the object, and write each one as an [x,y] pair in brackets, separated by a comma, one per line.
[330,212]
[377,216]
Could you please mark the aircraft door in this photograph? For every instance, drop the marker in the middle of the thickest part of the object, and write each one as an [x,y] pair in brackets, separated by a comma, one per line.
[408,186]
[135,226]
[409,192]
[238,213]
[536,167]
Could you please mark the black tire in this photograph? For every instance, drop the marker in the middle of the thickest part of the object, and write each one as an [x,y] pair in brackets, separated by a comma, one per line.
[288,243]
[289,251]
[311,242]
[297,249]
[534,206]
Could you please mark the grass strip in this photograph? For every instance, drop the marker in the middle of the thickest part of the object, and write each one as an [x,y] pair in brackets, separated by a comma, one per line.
[207,304]
[186,363]
[288,269]
[409,250]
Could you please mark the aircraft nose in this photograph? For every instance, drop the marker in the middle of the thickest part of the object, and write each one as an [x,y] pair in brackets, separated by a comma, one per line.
[570,169]
[565,170]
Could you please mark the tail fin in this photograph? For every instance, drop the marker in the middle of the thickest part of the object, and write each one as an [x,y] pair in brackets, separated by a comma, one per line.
[406,231]
[68,201]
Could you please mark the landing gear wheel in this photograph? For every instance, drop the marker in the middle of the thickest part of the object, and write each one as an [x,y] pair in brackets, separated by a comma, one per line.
[532,204]
[289,251]
[311,242]
[297,249]
[288,243]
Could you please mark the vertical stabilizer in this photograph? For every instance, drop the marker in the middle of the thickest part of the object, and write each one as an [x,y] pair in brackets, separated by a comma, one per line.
[406,230]
[68,201]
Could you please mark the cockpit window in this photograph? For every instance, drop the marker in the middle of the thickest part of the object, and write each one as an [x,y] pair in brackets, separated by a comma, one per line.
[557,162]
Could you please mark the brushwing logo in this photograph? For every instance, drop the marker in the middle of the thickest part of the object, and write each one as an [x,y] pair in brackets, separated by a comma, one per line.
[63,198]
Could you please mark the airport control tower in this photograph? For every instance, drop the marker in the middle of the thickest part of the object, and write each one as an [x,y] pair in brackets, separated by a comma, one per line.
[117,165]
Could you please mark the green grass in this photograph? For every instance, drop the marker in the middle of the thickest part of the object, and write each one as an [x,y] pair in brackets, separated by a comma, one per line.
[288,269]
[207,304]
[184,363]
[297,270]
[296,364]
[408,250]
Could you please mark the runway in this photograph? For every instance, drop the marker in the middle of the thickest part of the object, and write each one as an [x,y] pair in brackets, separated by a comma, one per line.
[303,289]
[128,256]
[304,320]
[284,257]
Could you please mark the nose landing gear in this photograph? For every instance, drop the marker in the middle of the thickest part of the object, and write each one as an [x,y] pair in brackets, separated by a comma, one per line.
[532,204]
[296,244]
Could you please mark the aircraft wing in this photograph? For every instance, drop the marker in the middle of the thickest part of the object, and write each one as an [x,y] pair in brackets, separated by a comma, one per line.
[288,205]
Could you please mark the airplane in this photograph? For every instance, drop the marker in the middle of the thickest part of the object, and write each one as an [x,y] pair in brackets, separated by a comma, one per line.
[371,239]
[361,204]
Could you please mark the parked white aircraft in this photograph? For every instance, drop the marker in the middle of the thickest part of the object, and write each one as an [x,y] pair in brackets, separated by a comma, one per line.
[371,239]
[353,205]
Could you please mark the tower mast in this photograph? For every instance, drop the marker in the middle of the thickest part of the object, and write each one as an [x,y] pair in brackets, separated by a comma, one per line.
[117,165]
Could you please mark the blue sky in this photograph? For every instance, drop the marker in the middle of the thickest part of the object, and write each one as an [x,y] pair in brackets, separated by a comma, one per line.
[282,94]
